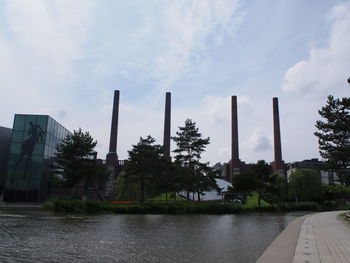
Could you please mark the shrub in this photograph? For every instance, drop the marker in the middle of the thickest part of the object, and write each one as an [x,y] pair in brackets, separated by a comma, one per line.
[80,206]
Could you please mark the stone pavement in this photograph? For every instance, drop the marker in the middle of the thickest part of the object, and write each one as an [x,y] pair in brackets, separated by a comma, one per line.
[323,238]
[320,237]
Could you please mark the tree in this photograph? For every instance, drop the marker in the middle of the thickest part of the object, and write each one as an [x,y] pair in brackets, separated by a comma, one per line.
[333,192]
[190,146]
[305,185]
[245,183]
[76,155]
[280,189]
[166,179]
[144,164]
[126,189]
[334,136]
[265,178]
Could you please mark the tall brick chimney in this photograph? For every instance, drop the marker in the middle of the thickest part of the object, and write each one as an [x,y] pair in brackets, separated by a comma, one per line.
[112,157]
[167,126]
[235,163]
[278,164]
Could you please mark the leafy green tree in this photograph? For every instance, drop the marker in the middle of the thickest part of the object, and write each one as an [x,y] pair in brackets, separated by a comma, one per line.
[165,178]
[281,189]
[332,192]
[144,164]
[76,155]
[190,146]
[334,136]
[261,179]
[126,189]
[266,180]
[245,183]
[304,185]
[204,179]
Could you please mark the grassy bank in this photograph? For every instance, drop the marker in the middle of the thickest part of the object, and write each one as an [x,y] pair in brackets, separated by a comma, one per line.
[79,206]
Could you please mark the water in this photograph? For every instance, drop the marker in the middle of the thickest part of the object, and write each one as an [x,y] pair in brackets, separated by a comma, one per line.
[28,235]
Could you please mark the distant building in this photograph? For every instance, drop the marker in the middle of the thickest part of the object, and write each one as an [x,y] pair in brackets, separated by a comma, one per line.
[219,168]
[326,177]
[31,166]
[215,194]
[5,142]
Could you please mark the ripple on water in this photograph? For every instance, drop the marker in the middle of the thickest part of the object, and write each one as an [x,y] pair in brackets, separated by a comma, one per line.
[12,215]
[51,218]
[45,237]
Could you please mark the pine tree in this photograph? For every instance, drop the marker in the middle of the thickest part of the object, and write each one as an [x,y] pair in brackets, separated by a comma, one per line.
[197,177]
[144,163]
[75,154]
[334,136]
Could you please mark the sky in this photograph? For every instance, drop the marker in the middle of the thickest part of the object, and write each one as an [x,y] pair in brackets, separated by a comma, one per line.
[65,58]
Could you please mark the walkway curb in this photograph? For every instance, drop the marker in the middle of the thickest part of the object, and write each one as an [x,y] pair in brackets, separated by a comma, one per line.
[282,249]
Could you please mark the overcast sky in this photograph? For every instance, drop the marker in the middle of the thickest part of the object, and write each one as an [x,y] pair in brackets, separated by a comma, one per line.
[65,58]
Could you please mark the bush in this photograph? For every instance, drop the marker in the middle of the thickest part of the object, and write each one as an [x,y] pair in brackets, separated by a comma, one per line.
[69,206]
[79,206]
[299,206]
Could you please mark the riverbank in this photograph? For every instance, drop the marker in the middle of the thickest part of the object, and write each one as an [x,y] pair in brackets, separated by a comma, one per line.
[321,237]
[79,206]
[21,205]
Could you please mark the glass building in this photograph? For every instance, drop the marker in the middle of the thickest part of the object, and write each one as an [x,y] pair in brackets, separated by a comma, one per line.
[31,161]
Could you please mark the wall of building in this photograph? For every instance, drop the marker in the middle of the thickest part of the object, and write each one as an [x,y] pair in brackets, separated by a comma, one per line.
[5,142]
[326,177]
[33,143]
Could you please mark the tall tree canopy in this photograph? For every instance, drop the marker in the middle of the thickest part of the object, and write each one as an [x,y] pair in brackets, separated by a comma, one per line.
[304,185]
[334,135]
[190,144]
[144,162]
[76,155]
[198,176]
[265,178]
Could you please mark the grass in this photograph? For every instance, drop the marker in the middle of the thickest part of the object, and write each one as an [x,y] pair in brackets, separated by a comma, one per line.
[342,217]
[252,201]
[162,197]
[79,206]
[160,207]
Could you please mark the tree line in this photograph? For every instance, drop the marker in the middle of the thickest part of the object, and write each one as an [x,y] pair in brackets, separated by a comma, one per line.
[148,173]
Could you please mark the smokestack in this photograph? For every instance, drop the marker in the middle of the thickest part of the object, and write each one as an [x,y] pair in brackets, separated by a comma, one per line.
[112,157]
[235,164]
[276,131]
[277,164]
[167,125]
[234,123]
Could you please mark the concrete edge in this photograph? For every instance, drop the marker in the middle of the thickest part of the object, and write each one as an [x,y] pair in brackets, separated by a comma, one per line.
[344,220]
[21,205]
[282,249]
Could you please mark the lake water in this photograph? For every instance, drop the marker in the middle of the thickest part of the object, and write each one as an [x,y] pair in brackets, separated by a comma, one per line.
[29,235]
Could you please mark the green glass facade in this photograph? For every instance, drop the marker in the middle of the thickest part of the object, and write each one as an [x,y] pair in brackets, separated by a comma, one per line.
[32,152]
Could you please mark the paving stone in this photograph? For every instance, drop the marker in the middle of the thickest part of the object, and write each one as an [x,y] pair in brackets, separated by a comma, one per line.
[323,238]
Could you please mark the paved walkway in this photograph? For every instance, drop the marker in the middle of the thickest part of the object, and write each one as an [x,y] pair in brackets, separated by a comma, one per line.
[320,237]
[323,238]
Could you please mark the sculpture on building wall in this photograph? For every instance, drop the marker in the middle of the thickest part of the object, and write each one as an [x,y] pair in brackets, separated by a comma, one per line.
[36,134]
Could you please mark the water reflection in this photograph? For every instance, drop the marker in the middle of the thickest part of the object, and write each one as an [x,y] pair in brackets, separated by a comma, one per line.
[38,236]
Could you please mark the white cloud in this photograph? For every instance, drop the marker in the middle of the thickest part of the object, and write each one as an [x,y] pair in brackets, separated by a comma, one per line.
[258,141]
[38,47]
[218,108]
[182,34]
[40,42]
[51,32]
[326,69]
